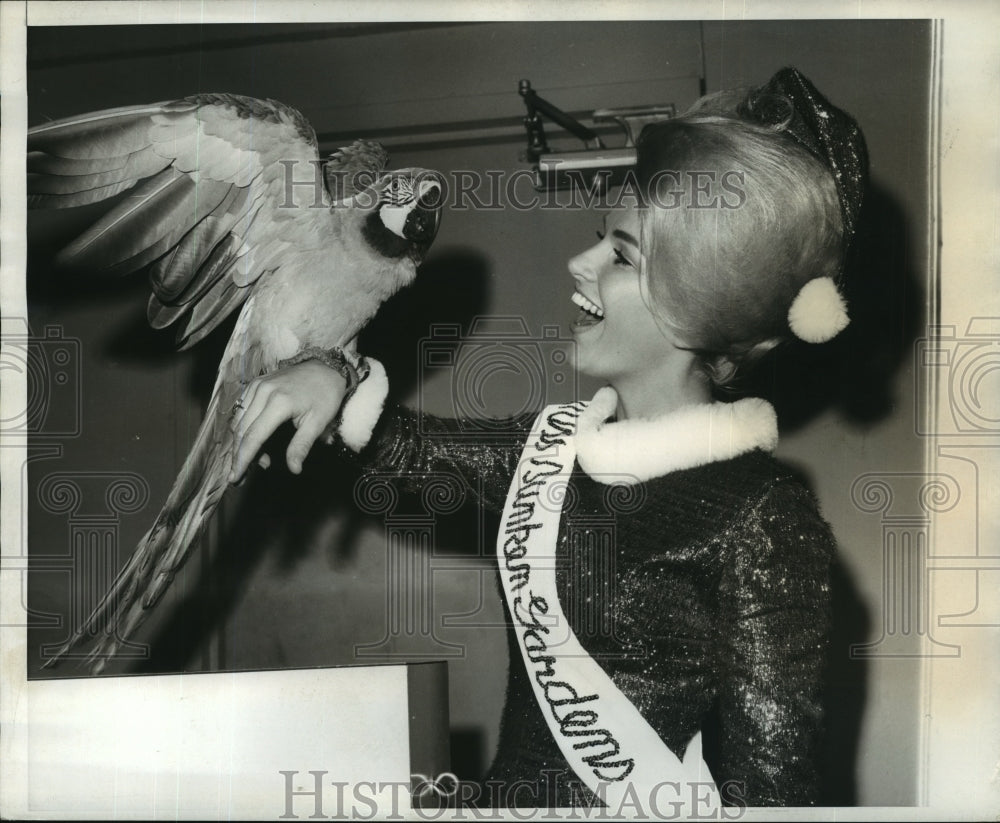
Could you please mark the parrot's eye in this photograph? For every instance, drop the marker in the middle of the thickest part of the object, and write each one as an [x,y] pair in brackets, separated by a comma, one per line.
[397,190]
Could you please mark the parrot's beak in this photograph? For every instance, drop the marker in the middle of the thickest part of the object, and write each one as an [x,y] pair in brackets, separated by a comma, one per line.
[422,223]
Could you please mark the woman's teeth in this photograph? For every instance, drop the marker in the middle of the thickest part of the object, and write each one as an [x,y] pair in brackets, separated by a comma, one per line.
[590,308]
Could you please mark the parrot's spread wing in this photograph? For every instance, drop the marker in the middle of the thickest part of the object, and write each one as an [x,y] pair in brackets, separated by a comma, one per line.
[226,188]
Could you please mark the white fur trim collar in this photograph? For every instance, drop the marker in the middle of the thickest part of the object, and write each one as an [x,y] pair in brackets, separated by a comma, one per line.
[634,450]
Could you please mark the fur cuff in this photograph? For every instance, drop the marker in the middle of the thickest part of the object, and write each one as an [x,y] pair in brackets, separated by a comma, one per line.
[362,409]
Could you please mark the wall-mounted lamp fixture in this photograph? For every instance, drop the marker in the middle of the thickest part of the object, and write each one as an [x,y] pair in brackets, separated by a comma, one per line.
[596,168]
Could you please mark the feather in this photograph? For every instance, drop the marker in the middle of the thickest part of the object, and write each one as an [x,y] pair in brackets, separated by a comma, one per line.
[40,162]
[137,165]
[83,198]
[165,207]
[176,271]
[352,168]
[216,266]
[194,497]
[218,158]
[161,315]
[212,309]
[110,133]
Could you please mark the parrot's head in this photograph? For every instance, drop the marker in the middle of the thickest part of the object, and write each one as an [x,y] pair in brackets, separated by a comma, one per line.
[406,213]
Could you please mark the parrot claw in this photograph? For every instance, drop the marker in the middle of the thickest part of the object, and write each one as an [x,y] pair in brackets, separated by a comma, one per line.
[350,373]
[336,358]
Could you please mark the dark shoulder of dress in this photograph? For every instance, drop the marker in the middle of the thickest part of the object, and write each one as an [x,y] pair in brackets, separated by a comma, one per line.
[704,594]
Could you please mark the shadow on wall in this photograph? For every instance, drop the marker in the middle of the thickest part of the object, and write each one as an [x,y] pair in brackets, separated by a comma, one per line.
[846,691]
[272,513]
[452,286]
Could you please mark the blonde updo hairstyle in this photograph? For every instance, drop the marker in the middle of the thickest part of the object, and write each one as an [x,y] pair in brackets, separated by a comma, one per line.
[737,217]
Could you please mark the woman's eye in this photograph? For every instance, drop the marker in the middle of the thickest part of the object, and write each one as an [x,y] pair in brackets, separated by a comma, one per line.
[621,259]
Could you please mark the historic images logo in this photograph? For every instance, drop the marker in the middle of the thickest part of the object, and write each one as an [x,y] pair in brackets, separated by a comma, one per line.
[310,795]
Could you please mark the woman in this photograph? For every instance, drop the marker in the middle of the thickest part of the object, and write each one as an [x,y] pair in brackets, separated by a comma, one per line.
[704,633]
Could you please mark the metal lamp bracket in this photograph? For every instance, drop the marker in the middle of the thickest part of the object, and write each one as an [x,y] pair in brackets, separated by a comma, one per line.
[596,167]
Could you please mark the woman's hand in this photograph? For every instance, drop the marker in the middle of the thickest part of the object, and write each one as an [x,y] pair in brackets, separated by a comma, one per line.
[309,394]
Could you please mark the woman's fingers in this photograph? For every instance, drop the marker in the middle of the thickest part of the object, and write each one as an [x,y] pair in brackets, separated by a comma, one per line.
[309,394]
[309,430]
[263,414]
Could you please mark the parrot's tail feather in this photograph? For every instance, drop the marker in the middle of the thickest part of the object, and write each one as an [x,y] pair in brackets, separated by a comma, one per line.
[149,571]
[103,609]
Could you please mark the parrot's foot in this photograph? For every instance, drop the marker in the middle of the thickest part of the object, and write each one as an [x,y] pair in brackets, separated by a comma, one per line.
[336,358]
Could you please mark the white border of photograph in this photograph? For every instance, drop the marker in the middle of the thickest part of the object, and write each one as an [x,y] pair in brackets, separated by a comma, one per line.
[960,715]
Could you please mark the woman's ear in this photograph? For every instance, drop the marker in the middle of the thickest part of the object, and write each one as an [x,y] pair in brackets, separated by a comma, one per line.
[722,369]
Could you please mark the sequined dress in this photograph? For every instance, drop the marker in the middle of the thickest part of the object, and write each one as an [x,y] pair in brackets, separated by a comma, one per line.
[703,592]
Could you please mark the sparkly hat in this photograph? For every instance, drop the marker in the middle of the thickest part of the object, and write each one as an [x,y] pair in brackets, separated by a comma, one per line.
[789,103]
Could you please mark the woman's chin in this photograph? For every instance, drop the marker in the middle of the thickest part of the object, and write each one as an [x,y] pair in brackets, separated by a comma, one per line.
[585,366]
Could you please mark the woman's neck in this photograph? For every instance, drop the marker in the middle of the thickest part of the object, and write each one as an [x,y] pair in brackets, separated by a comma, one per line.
[653,395]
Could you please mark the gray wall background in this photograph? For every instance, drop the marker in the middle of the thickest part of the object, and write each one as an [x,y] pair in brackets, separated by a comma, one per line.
[293,574]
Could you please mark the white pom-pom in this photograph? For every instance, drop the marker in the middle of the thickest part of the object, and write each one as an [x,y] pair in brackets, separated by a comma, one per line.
[818,312]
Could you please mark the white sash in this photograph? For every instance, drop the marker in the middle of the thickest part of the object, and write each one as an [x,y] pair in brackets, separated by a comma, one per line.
[605,739]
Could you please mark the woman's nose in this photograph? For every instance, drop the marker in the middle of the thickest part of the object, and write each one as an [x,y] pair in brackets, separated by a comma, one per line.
[581,266]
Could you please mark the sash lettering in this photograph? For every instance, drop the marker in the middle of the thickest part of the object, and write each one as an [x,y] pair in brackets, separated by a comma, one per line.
[602,735]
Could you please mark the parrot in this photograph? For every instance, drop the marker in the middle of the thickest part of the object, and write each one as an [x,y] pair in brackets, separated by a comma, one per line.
[220,211]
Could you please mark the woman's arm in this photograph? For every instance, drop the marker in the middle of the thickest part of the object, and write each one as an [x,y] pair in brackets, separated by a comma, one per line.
[402,442]
[775,595]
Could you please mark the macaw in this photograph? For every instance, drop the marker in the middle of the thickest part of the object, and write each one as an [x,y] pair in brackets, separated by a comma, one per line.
[221,212]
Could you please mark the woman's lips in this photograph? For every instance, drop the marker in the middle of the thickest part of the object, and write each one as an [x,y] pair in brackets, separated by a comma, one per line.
[590,313]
